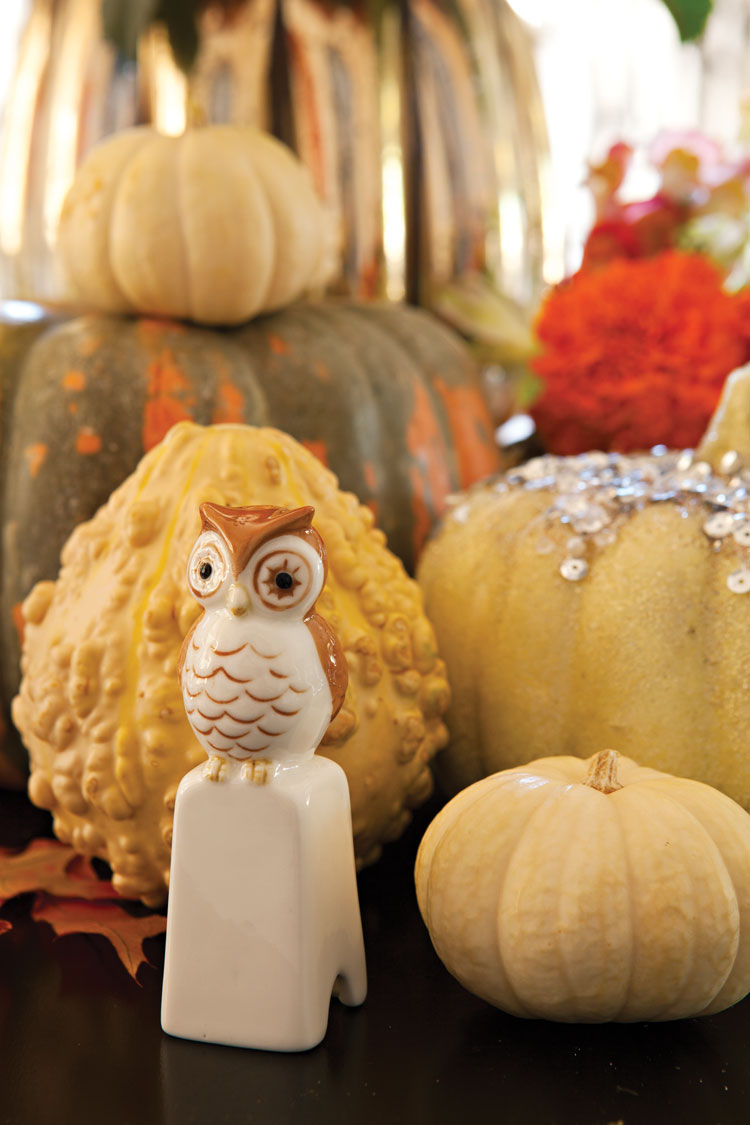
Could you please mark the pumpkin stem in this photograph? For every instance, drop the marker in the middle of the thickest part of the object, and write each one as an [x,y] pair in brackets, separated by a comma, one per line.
[602,772]
[729,427]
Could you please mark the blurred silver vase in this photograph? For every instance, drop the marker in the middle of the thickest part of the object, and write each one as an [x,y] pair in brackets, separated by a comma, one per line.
[420,122]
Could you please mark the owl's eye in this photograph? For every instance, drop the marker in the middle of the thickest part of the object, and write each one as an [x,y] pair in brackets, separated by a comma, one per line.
[282,578]
[207,568]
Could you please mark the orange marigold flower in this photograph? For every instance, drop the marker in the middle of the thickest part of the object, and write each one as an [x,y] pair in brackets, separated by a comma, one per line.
[636,353]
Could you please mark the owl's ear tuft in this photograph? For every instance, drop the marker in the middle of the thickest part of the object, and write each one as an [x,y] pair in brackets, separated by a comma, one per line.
[303,518]
[261,518]
[246,529]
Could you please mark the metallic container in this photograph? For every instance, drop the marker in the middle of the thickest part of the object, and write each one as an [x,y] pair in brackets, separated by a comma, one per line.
[420,120]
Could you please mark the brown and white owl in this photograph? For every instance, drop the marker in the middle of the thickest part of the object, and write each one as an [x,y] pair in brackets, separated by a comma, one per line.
[262,674]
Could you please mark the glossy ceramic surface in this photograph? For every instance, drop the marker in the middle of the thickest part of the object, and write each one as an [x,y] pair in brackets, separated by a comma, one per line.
[263,915]
[263,921]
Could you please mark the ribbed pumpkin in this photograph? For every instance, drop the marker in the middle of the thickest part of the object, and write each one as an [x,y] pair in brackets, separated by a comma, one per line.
[215,226]
[384,395]
[612,892]
[100,706]
[602,601]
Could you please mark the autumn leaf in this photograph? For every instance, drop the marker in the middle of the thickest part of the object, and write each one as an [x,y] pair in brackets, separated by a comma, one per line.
[47,865]
[125,931]
[73,899]
[83,882]
[40,867]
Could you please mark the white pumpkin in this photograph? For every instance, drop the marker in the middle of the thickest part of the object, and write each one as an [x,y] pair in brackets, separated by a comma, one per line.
[214,226]
[562,891]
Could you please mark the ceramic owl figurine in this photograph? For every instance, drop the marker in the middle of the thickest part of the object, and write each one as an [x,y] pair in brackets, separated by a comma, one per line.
[262,674]
[263,923]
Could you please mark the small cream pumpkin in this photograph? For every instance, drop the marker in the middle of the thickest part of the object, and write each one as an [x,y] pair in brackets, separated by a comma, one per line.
[214,226]
[591,891]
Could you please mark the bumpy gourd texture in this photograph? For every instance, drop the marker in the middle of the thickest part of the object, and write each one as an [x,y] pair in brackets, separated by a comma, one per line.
[214,226]
[100,707]
[649,654]
[552,900]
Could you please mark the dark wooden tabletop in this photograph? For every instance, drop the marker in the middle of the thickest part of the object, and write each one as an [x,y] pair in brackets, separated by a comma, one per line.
[80,1042]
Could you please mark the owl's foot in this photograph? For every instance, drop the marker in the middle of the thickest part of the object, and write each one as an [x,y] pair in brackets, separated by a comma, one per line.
[214,769]
[258,772]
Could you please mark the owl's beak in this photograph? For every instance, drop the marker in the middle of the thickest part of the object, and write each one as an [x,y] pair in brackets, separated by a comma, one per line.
[238,599]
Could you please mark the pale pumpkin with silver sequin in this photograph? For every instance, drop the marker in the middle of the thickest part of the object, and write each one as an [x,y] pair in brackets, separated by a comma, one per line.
[601,600]
[591,891]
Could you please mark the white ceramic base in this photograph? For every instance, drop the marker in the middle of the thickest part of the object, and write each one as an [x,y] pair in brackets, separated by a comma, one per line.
[263,916]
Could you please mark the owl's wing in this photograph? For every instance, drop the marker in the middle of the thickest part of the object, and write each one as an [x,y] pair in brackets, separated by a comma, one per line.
[332,659]
[186,646]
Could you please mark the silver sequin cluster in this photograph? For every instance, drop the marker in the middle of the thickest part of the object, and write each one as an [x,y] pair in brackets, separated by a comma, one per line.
[596,492]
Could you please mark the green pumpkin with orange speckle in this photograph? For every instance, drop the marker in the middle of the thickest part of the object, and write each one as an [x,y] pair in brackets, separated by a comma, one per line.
[384,395]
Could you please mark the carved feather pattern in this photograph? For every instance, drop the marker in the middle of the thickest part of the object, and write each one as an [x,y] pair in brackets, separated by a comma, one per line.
[247,698]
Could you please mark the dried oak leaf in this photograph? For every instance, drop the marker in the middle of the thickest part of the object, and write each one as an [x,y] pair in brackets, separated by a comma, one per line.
[47,865]
[125,931]
[40,867]
[72,898]
[83,882]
